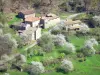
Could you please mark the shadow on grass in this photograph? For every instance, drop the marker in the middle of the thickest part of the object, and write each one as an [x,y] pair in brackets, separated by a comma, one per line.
[61,71]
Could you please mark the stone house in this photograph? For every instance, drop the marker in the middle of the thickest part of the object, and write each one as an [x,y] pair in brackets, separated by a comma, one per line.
[73,25]
[32,28]
[33,33]
[49,20]
[33,21]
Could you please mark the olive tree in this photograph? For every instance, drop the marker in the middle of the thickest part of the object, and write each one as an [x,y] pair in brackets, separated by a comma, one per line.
[36,68]
[7,44]
[46,42]
[89,47]
[96,21]
[70,48]
[84,28]
[66,65]
[59,40]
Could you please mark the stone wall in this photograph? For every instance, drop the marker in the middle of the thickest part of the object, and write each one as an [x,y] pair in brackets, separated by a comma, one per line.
[36,23]
[38,33]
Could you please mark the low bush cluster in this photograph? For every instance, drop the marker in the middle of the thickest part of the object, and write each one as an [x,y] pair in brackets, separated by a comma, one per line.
[67,66]
[89,47]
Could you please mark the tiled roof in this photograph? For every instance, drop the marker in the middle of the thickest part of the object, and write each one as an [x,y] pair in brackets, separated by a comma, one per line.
[32,19]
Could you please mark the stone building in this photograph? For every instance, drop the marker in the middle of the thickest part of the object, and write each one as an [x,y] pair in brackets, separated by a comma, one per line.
[73,25]
[49,20]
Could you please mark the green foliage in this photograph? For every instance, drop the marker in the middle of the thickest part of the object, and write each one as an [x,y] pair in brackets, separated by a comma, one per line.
[46,42]
[3,18]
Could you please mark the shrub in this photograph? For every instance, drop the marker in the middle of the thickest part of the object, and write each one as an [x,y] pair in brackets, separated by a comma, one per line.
[89,47]
[25,39]
[7,44]
[62,55]
[36,68]
[96,21]
[59,40]
[90,43]
[66,65]
[1,31]
[70,48]
[46,42]
[84,28]
[56,30]
[21,59]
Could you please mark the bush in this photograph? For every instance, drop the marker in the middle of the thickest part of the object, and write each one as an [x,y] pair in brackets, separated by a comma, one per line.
[62,55]
[35,51]
[46,42]
[1,31]
[96,21]
[70,48]
[84,28]
[89,47]
[21,59]
[7,44]
[36,68]
[25,39]
[66,65]
[56,30]
[59,40]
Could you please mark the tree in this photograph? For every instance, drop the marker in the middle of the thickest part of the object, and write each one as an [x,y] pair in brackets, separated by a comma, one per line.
[59,40]
[66,65]
[56,30]
[7,44]
[96,21]
[25,39]
[84,28]
[2,3]
[46,6]
[36,68]
[70,48]
[3,19]
[88,48]
[46,42]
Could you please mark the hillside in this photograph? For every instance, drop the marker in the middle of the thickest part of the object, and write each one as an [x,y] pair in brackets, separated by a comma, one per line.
[49,37]
[50,5]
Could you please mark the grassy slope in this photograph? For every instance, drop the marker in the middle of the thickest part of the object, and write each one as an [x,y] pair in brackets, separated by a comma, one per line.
[90,67]
[64,15]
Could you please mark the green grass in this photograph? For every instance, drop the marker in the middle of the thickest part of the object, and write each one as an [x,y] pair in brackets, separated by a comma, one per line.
[17,73]
[53,54]
[77,41]
[15,19]
[90,67]
[14,72]
[64,15]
